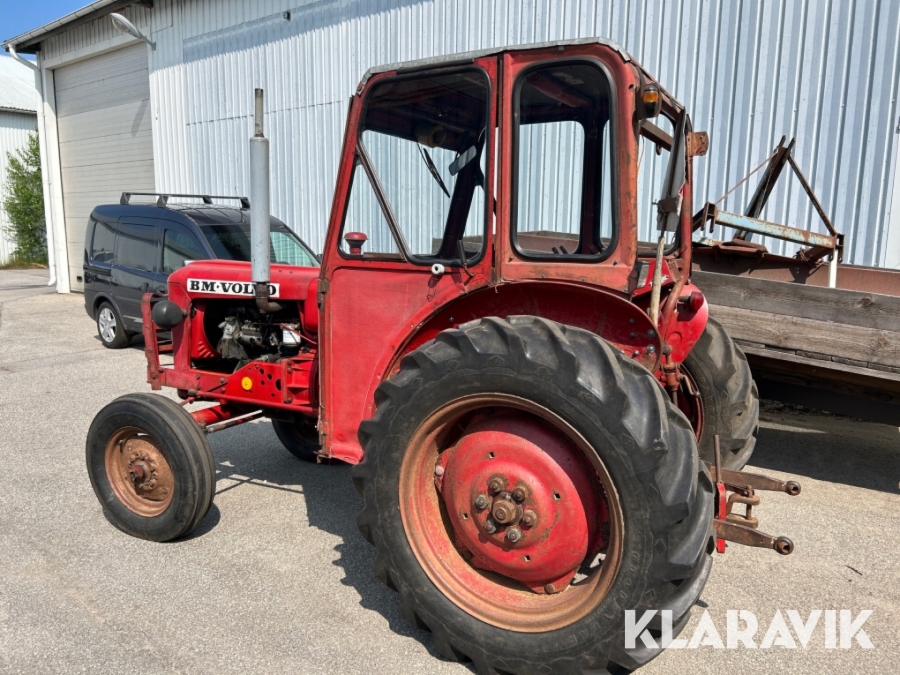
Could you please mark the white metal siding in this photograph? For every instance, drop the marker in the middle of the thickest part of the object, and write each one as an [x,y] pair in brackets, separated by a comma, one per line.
[92,32]
[749,71]
[105,143]
[14,130]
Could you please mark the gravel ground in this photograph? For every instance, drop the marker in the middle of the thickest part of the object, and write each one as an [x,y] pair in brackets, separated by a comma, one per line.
[277,579]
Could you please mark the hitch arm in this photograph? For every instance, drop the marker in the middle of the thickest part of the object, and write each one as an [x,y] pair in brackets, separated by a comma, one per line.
[748,536]
[739,479]
[741,528]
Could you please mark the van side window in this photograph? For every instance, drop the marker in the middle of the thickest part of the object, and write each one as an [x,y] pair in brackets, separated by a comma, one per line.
[104,245]
[136,247]
[178,247]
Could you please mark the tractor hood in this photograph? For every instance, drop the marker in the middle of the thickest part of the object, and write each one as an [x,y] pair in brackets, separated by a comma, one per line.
[207,279]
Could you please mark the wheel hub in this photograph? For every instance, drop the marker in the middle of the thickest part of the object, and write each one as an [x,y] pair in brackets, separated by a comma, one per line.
[522,500]
[139,472]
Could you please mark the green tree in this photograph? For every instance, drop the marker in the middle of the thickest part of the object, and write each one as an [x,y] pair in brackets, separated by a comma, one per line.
[23,201]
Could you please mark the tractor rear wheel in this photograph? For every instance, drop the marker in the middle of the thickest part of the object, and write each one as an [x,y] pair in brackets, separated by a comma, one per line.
[524,484]
[301,438]
[728,404]
[150,466]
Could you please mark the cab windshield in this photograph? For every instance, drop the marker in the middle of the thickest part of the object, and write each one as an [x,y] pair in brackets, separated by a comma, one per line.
[232,242]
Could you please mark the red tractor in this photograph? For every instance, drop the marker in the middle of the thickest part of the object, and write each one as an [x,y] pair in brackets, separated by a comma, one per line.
[533,398]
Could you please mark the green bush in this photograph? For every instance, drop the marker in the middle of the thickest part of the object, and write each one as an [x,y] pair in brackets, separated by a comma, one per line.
[23,201]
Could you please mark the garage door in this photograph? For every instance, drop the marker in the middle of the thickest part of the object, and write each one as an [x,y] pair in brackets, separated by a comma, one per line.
[105,143]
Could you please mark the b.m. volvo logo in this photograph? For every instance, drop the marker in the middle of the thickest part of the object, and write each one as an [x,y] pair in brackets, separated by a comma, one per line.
[220,287]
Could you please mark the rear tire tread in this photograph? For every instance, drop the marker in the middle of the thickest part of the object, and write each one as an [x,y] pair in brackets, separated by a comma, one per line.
[729,396]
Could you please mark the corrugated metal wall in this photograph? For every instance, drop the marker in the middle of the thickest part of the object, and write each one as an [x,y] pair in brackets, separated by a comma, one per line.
[14,130]
[824,71]
[89,34]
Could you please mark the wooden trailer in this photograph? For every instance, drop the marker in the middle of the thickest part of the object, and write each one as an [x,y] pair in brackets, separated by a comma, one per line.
[816,333]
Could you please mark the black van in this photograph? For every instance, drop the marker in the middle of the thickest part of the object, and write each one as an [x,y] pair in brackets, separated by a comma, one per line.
[130,249]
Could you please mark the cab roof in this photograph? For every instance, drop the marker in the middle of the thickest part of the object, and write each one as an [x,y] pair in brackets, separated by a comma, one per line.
[462,58]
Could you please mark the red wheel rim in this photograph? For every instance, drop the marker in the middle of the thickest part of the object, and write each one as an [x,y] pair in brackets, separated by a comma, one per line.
[491,464]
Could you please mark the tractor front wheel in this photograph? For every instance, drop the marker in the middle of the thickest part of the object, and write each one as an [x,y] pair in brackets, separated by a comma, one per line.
[150,466]
[300,438]
[524,485]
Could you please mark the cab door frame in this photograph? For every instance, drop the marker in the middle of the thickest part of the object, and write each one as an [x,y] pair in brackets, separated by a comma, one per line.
[369,306]
[614,271]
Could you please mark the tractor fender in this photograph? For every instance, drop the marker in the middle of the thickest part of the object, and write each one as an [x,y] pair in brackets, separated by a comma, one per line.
[613,317]
[686,326]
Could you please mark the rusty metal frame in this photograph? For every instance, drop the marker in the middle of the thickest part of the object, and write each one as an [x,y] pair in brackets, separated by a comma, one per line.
[818,246]
[741,528]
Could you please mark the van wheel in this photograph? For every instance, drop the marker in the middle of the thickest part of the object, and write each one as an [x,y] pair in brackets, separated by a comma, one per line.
[111,328]
[150,466]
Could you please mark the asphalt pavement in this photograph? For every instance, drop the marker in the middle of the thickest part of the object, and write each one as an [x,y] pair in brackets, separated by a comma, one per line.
[277,579]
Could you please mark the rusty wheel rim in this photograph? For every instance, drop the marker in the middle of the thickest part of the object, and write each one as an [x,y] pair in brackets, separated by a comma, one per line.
[139,472]
[494,598]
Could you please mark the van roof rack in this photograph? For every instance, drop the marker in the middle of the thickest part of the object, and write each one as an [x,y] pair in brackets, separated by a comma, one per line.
[163,198]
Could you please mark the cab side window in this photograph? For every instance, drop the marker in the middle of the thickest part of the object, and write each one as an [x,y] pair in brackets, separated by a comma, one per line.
[563,151]
[103,248]
[179,247]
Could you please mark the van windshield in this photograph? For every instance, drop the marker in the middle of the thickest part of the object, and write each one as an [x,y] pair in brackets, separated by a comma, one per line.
[232,242]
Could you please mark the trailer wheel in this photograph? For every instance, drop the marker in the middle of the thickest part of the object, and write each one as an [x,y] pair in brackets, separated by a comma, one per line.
[524,484]
[301,439]
[728,403]
[111,328]
[150,466]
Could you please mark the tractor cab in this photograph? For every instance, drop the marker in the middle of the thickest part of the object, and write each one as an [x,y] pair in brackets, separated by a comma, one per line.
[500,181]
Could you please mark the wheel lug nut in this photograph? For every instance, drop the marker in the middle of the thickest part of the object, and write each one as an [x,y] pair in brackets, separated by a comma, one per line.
[529,518]
[514,534]
[519,494]
[481,502]
[495,485]
[489,526]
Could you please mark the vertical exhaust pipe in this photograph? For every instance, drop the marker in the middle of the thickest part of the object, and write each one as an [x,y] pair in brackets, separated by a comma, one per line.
[259,211]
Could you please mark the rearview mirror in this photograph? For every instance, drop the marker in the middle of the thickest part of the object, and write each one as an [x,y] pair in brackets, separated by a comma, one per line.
[457,164]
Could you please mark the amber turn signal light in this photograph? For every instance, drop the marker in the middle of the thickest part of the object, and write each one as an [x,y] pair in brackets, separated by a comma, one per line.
[650,101]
